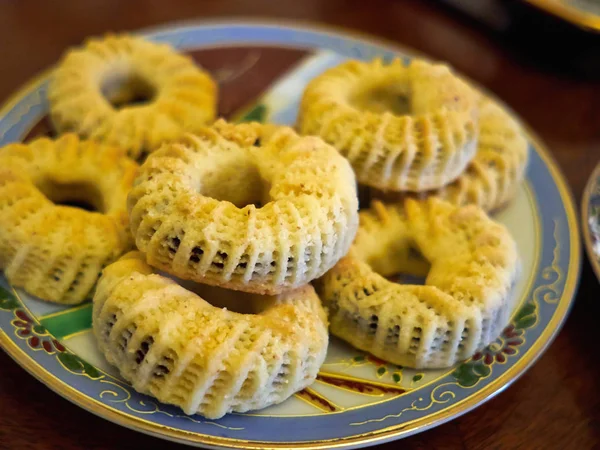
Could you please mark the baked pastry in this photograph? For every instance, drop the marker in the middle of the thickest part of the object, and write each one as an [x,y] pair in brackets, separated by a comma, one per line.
[402,127]
[53,251]
[170,343]
[129,92]
[466,300]
[493,177]
[250,207]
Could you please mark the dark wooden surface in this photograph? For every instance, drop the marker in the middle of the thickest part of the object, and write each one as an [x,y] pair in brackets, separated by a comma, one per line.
[556,404]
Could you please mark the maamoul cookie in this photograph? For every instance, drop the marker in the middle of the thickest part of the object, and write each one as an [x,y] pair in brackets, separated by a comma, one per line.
[402,127]
[170,343]
[466,300]
[53,251]
[494,175]
[250,207]
[94,91]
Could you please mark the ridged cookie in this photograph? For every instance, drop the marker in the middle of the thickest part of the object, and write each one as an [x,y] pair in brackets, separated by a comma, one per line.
[53,251]
[94,92]
[170,343]
[250,207]
[466,300]
[403,127]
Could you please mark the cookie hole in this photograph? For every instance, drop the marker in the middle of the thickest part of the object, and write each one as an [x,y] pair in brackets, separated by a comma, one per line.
[394,255]
[401,264]
[123,88]
[80,195]
[236,179]
[387,95]
[406,278]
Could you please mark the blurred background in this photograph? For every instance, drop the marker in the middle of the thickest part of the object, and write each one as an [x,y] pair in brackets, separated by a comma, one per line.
[543,60]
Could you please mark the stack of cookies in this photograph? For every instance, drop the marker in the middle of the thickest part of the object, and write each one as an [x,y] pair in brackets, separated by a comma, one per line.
[247,216]
[250,207]
[425,141]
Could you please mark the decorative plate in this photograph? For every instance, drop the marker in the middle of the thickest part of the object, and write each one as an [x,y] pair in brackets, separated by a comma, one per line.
[590,219]
[583,13]
[357,400]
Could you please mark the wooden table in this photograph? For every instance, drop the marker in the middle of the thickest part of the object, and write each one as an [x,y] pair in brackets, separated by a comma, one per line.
[556,404]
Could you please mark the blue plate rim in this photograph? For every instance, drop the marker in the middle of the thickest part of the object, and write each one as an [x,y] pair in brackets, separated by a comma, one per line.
[369,438]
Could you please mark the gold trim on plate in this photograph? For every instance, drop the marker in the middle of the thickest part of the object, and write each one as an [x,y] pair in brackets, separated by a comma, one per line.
[585,216]
[369,438]
[568,12]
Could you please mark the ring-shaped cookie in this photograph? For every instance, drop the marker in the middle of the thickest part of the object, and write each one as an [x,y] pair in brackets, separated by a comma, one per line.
[402,127]
[492,178]
[170,343]
[96,90]
[466,300]
[250,207]
[53,251]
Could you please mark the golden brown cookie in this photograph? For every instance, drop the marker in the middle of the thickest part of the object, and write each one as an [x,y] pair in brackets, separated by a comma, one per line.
[250,207]
[53,251]
[493,177]
[403,127]
[130,92]
[170,343]
[466,300]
